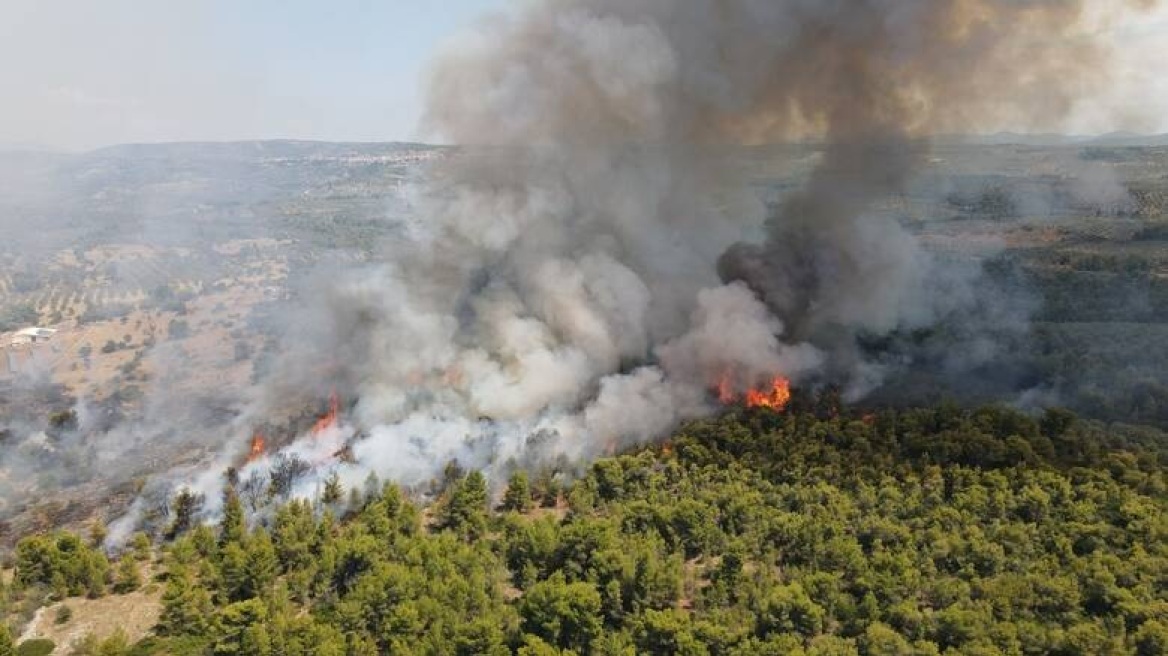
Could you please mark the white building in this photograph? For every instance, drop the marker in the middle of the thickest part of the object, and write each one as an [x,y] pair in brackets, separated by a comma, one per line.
[32,336]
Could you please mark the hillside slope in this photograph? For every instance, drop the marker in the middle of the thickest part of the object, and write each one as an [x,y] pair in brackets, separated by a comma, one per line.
[933,531]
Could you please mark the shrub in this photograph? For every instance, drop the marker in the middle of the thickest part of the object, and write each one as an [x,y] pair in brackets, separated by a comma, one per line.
[179,329]
[36,647]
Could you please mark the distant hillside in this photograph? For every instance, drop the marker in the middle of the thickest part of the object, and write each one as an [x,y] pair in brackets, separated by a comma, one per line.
[1114,139]
[257,149]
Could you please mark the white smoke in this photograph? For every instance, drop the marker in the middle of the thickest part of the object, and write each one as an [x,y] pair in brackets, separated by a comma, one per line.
[572,286]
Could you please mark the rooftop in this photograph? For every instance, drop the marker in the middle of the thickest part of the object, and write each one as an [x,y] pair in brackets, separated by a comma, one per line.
[36,332]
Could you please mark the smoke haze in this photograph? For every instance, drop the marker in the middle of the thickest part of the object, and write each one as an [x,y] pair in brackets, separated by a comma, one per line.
[593,266]
[579,284]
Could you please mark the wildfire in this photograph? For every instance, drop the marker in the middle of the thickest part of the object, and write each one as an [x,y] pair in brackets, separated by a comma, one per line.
[725,390]
[258,444]
[329,419]
[776,396]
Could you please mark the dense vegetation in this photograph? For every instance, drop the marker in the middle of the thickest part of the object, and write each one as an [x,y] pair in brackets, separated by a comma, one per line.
[918,532]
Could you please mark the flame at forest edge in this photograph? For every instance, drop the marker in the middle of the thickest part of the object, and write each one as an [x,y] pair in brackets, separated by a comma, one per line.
[776,396]
[329,419]
[325,422]
[258,444]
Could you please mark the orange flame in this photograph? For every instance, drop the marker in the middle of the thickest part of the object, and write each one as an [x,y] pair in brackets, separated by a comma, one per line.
[258,444]
[776,397]
[329,419]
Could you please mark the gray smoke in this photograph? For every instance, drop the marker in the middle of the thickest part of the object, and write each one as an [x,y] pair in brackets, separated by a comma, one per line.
[581,278]
[575,277]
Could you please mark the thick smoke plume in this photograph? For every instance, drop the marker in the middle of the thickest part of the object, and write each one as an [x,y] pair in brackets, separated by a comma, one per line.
[583,278]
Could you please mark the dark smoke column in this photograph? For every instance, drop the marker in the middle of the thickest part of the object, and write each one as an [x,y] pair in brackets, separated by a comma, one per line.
[871,79]
[578,290]
[875,78]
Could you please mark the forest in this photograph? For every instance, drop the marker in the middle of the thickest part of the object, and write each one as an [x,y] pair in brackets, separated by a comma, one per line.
[818,531]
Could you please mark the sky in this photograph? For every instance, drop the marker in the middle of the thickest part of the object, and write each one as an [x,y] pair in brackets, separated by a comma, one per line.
[79,74]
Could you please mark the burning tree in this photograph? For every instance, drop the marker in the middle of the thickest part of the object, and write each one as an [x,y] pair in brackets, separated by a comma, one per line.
[775,396]
[330,418]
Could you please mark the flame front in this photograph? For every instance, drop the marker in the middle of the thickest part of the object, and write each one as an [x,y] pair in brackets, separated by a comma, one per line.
[258,444]
[776,398]
[329,419]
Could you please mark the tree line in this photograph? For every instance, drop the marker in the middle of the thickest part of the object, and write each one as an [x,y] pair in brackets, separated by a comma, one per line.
[931,531]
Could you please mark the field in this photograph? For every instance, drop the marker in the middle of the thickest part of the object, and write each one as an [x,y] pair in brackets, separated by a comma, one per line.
[166,272]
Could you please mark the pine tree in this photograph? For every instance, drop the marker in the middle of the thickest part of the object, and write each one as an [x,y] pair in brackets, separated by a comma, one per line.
[262,563]
[233,584]
[256,641]
[564,614]
[186,607]
[205,540]
[185,508]
[238,632]
[355,500]
[128,578]
[231,527]
[518,495]
[34,561]
[97,533]
[452,473]
[360,644]
[97,569]
[334,491]
[59,585]
[465,510]
[141,545]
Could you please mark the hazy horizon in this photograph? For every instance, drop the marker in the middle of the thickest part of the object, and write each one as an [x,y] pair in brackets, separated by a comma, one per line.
[1048,138]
